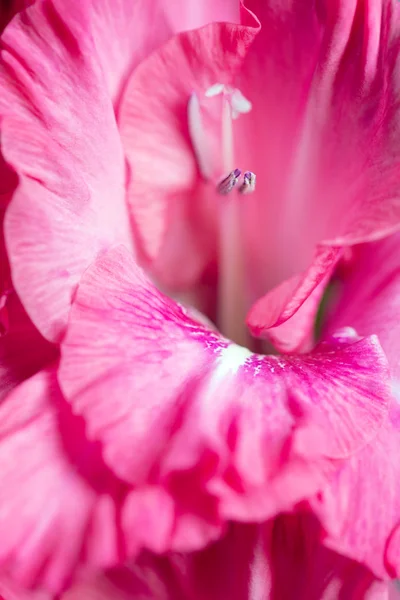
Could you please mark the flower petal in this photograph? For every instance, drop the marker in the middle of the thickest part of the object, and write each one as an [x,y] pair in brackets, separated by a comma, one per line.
[286,315]
[23,351]
[167,199]
[196,410]
[249,563]
[360,507]
[125,32]
[56,496]
[327,153]
[370,296]
[63,142]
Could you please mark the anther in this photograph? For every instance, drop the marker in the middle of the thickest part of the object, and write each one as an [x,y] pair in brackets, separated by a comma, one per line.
[227,184]
[249,183]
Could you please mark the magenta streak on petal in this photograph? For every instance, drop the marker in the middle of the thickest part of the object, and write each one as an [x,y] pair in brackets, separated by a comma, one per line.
[214,408]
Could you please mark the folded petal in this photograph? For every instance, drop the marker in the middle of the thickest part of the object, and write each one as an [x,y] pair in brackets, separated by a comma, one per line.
[175,404]
[63,143]
[369,296]
[171,207]
[286,315]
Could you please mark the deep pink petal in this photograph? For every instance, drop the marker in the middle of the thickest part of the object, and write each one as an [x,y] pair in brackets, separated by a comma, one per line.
[190,411]
[23,351]
[295,545]
[8,182]
[271,562]
[63,142]
[9,8]
[171,207]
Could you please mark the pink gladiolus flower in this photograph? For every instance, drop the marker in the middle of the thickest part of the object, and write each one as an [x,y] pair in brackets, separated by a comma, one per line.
[180,182]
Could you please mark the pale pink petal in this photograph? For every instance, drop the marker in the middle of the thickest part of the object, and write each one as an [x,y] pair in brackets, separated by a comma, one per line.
[173,210]
[369,297]
[297,297]
[125,32]
[58,502]
[192,15]
[176,405]
[60,136]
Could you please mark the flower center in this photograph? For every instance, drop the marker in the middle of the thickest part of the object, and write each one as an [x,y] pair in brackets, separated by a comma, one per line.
[210,121]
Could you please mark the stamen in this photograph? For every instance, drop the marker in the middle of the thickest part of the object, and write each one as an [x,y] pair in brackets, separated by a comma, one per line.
[249,183]
[227,184]
[199,139]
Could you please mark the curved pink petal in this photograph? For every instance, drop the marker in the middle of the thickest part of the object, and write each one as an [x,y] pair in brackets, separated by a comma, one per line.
[173,210]
[58,503]
[370,296]
[63,142]
[175,404]
[286,315]
[125,32]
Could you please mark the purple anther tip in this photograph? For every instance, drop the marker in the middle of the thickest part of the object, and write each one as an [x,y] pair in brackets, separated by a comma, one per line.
[249,183]
[227,184]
